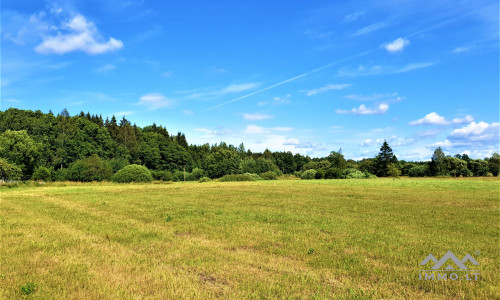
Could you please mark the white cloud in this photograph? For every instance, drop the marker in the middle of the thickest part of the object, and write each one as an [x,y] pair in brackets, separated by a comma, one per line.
[235,88]
[254,129]
[371,97]
[106,68]
[370,28]
[79,35]
[277,101]
[363,110]
[353,17]
[473,132]
[187,112]
[435,119]
[154,101]
[124,113]
[213,133]
[397,45]
[167,74]
[256,117]
[461,50]
[413,66]
[328,87]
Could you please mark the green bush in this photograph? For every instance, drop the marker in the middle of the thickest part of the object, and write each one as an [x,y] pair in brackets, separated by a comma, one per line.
[92,168]
[41,173]
[419,171]
[352,173]
[118,163]
[254,176]
[9,171]
[204,179]
[195,174]
[269,175]
[333,173]
[237,177]
[320,174]
[133,173]
[309,174]
[178,175]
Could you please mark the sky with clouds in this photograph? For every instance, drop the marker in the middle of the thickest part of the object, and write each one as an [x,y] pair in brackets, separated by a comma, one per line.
[302,76]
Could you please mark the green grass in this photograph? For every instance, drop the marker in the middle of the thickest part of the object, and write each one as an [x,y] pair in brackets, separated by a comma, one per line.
[247,239]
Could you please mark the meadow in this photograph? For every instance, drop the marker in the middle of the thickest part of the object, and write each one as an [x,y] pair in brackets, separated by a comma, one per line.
[350,239]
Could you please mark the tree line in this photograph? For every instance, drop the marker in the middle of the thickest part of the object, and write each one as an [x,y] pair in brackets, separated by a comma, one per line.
[43,146]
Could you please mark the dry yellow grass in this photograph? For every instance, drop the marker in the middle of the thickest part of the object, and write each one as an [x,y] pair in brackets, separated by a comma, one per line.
[247,239]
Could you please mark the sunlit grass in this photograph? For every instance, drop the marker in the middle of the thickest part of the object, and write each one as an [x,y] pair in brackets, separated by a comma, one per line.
[247,239]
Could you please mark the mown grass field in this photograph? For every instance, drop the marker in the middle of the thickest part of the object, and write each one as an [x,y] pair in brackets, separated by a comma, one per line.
[248,239]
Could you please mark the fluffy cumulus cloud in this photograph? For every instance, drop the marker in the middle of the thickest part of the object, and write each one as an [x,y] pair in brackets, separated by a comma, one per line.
[256,117]
[435,119]
[363,110]
[77,34]
[397,45]
[328,87]
[154,101]
[474,132]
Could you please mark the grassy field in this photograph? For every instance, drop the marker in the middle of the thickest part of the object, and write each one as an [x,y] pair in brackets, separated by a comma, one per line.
[271,239]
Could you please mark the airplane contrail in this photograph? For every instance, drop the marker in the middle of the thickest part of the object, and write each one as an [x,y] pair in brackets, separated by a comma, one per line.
[294,78]
[349,57]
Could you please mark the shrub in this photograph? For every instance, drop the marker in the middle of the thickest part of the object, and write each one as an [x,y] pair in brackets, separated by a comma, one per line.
[28,288]
[352,173]
[196,174]
[91,168]
[178,176]
[269,175]
[254,176]
[393,170]
[333,173]
[204,179]
[133,173]
[320,174]
[419,171]
[308,174]
[118,163]
[9,171]
[60,174]
[237,177]
[41,173]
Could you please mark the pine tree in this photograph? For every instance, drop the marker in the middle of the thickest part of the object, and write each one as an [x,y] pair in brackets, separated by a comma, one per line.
[384,158]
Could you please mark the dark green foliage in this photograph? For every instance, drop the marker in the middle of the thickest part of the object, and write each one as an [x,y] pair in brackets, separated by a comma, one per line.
[456,167]
[320,174]
[333,173]
[28,288]
[257,166]
[383,159]
[162,175]
[118,163]
[8,171]
[494,164]
[179,176]
[236,177]
[337,160]
[195,174]
[478,167]
[438,165]
[308,174]
[419,171]
[133,173]
[310,251]
[204,179]
[269,175]
[42,173]
[18,148]
[221,162]
[254,176]
[92,168]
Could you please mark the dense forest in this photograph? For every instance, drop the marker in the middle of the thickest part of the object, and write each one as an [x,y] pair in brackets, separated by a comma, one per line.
[85,147]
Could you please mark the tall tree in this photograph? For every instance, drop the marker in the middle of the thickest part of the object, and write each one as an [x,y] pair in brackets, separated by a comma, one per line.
[438,162]
[384,158]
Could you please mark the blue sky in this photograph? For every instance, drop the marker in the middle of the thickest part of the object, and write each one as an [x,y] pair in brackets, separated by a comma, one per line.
[301,76]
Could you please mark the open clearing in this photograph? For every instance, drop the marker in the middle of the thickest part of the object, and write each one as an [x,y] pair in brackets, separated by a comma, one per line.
[268,239]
